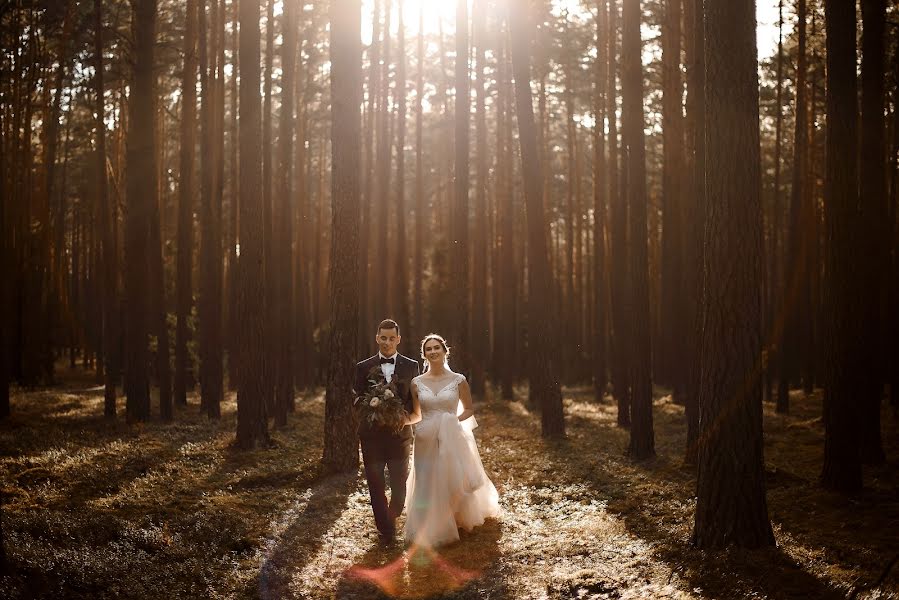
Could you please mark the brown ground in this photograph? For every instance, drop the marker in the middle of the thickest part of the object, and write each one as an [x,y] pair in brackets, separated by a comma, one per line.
[95,509]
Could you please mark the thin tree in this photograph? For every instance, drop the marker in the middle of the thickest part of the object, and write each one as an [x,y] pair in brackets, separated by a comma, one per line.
[157,293]
[252,425]
[270,314]
[341,440]
[875,222]
[140,194]
[186,202]
[774,254]
[504,271]
[845,354]
[460,238]
[209,307]
[545,389]
[694,213]
[731,506]
[401,271]
[110,261]
[672,294]
[233,209]
[620,323]
[419,176]
[600,191]
[793,313]
[642,441]
[283,299]
[480,329]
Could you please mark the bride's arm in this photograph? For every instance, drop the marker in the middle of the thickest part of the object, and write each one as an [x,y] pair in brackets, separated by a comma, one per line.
[465,397]
[415,416]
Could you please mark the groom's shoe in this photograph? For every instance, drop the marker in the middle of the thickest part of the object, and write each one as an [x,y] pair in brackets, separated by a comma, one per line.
[388,538]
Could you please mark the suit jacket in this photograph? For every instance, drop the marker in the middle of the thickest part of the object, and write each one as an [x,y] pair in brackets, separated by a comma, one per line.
[405,369]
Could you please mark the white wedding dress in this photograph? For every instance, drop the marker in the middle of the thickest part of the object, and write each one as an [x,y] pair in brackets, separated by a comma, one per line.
[447,487]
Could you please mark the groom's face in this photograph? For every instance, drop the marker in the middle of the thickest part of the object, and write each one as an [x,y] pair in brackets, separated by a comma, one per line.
[388,340]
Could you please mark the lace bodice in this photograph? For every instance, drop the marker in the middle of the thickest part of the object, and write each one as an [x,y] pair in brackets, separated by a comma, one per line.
[445,400]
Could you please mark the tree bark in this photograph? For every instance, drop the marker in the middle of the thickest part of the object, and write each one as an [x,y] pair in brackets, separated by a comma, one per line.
[252,425]
[460,238]
[600,191]
[141,194]
[545,389]
[844,356]
[872,189]
[401,271]
[283,298]
[796,277]
[110,273]
[341,439]
[671,369]
[731,508]
[480,326]
[695,213]
[186,203]
[642,444]
[618,202]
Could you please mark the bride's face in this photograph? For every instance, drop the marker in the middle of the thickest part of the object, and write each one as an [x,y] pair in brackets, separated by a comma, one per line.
[434,351]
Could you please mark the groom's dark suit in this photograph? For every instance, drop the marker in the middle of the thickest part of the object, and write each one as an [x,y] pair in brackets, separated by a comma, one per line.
[383,448]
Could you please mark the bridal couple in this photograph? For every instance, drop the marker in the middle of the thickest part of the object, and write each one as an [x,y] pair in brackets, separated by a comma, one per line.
[447,487]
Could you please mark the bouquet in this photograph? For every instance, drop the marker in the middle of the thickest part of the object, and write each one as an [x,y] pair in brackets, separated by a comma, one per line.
[381,404]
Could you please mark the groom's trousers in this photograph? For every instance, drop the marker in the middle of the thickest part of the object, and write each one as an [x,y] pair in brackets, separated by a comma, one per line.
[394,457]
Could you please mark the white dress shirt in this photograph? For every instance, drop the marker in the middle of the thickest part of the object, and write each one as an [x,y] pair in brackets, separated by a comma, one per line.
[388,368]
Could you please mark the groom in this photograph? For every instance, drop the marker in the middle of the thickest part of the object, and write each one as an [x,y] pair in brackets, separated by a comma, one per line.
[381,447]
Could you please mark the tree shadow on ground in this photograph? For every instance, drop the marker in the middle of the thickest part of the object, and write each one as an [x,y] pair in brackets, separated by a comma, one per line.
[305,534]
[729,573]
[469,568]
[634,491]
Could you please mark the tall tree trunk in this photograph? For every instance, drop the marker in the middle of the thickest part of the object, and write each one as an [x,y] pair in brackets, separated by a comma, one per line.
[642,444]
[341,440]
[141,194]
[620,322]
[210,307]
[796,277]
[401,271]
[234,207]
[270,316]
[845,354]
[110,260]
[504,273]
[545,389]
[460,239]
[695,214]
[875,222]
[600,190]
[731,507]
[774,255]
[418,269]
[671,369]
[283,297]
[186,203]
[252,424]
[157,295]
[480,326]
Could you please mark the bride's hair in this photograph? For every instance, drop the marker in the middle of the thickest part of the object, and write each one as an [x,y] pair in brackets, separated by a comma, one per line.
[439,338]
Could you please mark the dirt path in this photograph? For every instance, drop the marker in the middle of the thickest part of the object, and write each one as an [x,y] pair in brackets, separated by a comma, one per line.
[556,538]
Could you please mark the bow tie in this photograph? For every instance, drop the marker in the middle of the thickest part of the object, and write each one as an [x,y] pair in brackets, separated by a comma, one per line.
[386,360]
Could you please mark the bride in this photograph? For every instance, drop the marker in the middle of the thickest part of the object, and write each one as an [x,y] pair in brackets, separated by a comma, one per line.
[447,487]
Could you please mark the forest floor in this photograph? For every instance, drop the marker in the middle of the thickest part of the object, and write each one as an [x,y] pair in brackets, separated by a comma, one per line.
[98,509]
